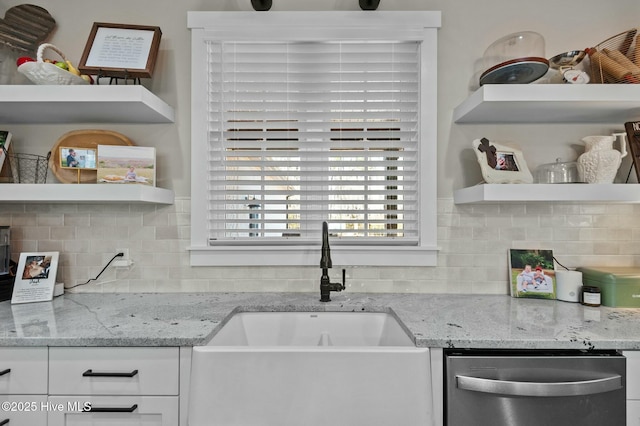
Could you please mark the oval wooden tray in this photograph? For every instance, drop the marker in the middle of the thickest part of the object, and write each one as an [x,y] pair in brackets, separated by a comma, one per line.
[82,139]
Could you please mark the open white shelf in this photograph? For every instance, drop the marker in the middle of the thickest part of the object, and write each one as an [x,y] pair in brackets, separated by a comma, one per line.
[82,104]
[84,193]
[578,192]
[551,103]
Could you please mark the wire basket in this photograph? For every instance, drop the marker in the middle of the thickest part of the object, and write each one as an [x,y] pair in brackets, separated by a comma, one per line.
[28,168]
[616,60]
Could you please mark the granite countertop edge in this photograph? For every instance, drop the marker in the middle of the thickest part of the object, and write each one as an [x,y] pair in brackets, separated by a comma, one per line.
[434,320]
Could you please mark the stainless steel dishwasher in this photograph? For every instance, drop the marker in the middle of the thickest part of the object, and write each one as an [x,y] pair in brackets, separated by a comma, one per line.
[527,388]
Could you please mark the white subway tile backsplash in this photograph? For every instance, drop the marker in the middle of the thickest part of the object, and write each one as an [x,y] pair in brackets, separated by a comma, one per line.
[630,248]
[511,234]
[607,247]
[473,243]
[540,209]
[145,234]
[63,233]
[580,220]
[513,209]
[594,208]
[566,208]
[37,233]
[49,219]
[566,234]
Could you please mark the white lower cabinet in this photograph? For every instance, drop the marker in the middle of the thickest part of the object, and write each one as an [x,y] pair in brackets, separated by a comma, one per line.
[113,411]
[23,371]
[633,413]
[633,387]
[23,386]
[114,386]
[114,371]
[93,386]
[23,410]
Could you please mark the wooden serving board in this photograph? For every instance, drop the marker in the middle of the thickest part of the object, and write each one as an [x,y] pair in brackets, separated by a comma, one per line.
[82,139]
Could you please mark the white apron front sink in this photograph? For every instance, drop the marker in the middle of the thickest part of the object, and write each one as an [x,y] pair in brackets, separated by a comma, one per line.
[310,368]
[312,329]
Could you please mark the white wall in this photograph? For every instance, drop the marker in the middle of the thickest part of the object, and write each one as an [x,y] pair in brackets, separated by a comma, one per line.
[473,240]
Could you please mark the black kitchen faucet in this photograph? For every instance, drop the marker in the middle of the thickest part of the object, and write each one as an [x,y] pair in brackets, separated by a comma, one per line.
[326,286]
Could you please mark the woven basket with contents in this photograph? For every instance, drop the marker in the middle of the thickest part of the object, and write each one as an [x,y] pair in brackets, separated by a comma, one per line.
[41,72]
[616,60]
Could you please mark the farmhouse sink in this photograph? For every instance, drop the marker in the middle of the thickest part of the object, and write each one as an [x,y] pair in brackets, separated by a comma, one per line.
[312,329]
[310,368]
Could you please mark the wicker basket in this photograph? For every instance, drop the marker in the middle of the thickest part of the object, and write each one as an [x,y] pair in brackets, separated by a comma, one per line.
[616,60]
[41,72]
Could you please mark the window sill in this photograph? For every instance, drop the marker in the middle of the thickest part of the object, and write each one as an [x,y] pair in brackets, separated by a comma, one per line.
[310,256]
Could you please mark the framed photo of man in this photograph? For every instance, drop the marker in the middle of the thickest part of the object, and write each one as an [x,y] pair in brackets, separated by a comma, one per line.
[78,158]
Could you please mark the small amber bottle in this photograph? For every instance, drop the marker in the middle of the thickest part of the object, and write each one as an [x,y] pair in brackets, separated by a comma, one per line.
[591,296]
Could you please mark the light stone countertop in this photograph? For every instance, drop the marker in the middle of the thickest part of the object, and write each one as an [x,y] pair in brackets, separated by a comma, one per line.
[435,320]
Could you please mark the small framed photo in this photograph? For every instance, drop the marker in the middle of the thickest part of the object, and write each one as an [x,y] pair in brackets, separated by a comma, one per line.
[120,50]
[501,163]
[78,158]
[532,273]
[127,164]
[35,277]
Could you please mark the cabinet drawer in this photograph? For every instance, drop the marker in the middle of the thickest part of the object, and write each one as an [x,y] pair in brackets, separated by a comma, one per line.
[114,411]
[24,410]
[633,413]
[23,371]
[113,371]
[633,374]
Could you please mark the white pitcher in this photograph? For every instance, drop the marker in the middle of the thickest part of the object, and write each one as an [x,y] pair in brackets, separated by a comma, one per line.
[600,161]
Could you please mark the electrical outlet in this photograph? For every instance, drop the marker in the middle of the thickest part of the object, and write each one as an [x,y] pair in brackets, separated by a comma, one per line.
[124,261]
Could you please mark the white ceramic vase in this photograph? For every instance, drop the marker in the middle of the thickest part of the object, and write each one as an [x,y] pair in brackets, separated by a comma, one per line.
[600,161]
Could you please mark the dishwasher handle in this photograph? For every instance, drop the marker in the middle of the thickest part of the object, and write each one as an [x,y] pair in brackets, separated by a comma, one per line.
[552,389]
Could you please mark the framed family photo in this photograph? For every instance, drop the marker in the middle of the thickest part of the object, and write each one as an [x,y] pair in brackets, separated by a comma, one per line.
[501,163]
[532,273]
[78,158]
[35,277]
[127,164]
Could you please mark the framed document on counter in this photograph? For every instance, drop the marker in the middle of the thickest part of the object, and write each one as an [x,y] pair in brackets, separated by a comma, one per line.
[35,277]
[119,50]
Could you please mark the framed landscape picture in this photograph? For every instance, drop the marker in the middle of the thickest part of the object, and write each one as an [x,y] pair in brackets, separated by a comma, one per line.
[532,273]
[126,165]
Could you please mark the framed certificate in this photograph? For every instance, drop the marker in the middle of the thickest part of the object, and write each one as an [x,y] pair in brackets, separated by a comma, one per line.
[120,50]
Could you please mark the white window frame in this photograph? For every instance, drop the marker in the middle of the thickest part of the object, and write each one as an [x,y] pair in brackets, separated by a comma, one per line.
[419,26]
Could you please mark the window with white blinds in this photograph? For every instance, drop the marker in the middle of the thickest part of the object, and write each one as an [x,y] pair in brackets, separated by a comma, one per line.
[302,133]
[304,117]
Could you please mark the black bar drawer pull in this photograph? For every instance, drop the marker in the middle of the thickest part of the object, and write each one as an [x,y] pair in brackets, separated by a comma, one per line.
[2,373]
[4,422]
[131,409]
[91,373]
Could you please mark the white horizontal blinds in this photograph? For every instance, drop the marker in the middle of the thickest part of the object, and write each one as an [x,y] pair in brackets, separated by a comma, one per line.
[306,132]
